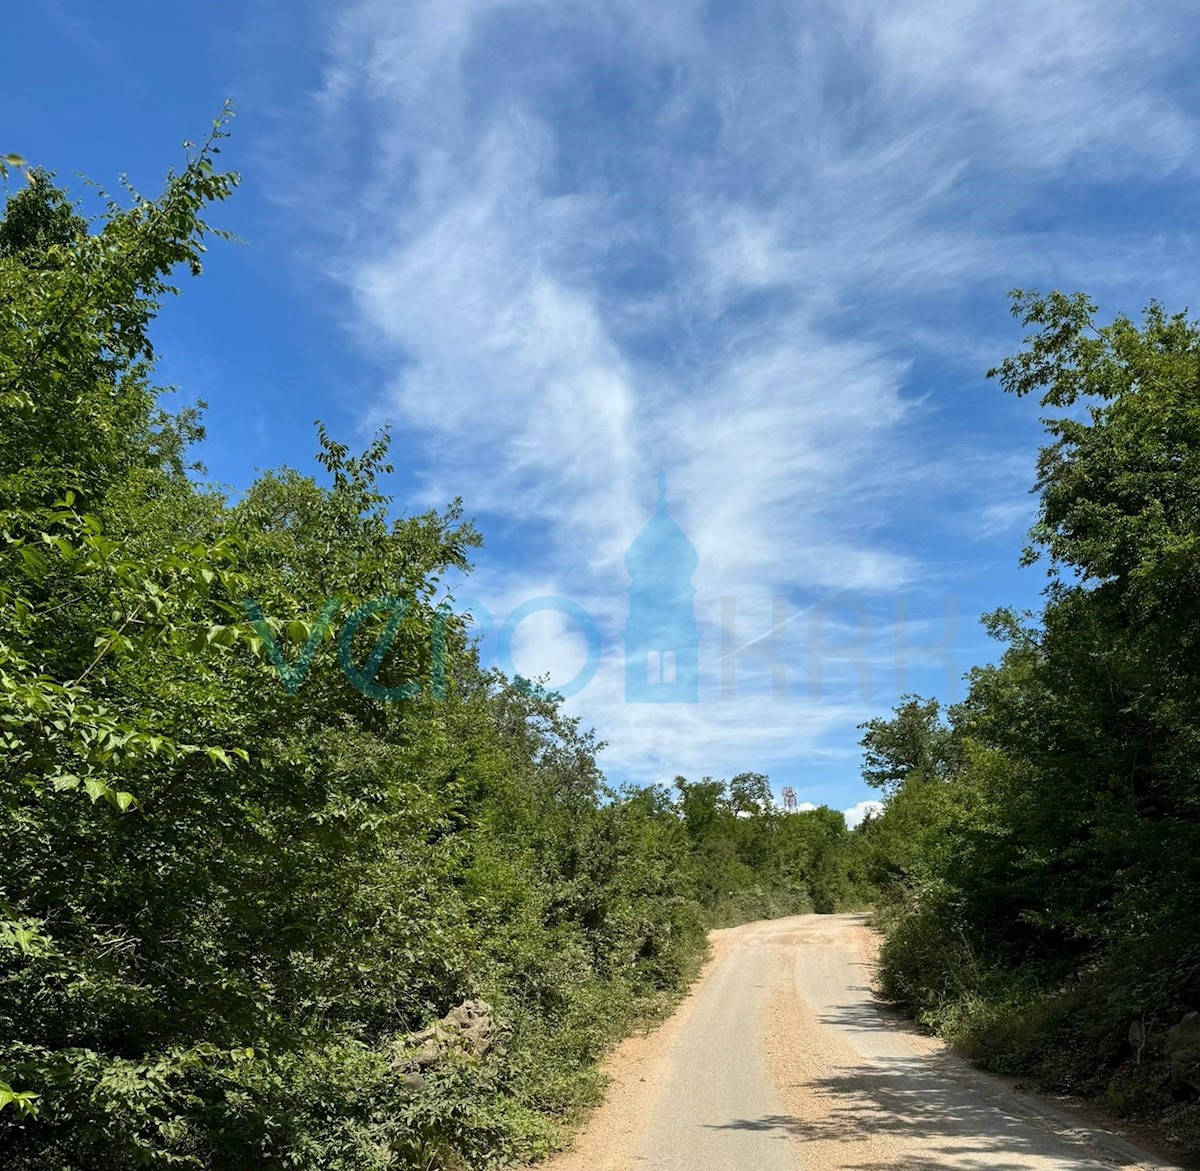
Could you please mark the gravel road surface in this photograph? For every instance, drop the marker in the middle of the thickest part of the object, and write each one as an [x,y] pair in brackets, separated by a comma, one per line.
[780,1060]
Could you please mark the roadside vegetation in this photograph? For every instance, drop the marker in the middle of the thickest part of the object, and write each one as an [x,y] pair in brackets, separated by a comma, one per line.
[1039,850]
[245,865]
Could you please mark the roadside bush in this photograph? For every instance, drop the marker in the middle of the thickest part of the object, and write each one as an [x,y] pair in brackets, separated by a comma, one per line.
[265,814]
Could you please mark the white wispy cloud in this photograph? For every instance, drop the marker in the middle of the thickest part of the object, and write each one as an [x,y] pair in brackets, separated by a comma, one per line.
[588,240]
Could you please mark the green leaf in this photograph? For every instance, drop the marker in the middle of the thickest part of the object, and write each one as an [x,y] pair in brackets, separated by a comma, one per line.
[219,756]
[23,1103]
[96,789]
[123,801]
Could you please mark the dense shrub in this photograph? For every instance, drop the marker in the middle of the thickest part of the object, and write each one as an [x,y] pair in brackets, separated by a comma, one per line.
[236,879]
[1040,843]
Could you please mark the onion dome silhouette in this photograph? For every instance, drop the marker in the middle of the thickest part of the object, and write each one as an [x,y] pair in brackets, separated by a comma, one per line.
[661,639]
[661,549]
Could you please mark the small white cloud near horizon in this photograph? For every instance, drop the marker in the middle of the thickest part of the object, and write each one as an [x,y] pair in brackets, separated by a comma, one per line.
[857,814]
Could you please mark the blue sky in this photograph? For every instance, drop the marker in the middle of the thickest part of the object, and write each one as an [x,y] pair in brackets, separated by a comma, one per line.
[558,246]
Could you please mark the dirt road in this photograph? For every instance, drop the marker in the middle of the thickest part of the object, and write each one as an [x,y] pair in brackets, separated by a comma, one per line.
[780,1060]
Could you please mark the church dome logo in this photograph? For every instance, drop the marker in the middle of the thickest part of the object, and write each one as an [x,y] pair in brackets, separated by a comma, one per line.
[661,639]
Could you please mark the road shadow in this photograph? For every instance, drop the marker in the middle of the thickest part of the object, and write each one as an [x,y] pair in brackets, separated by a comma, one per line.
[914,1107]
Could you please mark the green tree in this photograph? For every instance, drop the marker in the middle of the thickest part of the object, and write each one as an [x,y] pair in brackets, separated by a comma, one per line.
[265,815]
[1048,872]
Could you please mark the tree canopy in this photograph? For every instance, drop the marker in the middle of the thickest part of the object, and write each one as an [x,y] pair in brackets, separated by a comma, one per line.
[264,815]
[1041,840]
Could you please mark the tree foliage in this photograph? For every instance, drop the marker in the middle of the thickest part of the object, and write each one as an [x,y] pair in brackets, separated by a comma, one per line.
[235,881]
[1045,833]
